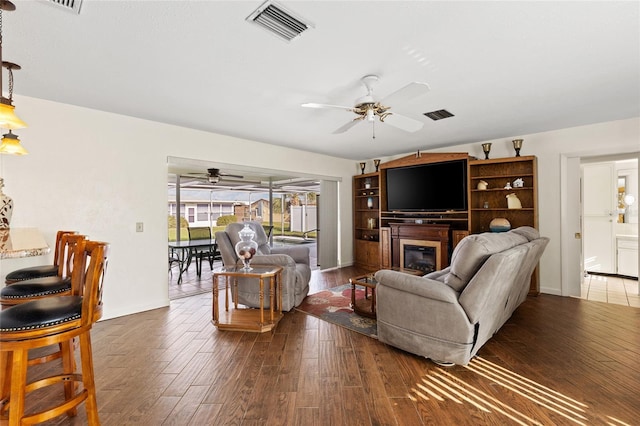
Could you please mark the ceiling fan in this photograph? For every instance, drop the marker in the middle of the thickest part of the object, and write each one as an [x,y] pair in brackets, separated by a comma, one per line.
[213,175]
[368,108]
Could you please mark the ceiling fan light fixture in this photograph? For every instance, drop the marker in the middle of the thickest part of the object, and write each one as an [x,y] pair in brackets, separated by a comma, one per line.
[11,145]
[370,115]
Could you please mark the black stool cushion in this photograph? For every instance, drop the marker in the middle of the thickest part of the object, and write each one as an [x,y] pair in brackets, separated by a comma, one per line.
[41,313]
[31,273]
[35,288]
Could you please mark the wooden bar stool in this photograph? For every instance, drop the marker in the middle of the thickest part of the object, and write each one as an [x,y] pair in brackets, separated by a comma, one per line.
[36,288]
[39,271]
[55,320]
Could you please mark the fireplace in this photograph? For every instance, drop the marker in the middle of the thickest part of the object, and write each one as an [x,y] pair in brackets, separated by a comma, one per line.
[420,255]
[430,241]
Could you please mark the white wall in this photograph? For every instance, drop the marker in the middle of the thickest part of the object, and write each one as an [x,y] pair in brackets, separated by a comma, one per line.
[621,136]
[100,173]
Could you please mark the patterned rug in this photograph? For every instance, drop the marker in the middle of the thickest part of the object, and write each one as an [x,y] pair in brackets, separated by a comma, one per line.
[333,305]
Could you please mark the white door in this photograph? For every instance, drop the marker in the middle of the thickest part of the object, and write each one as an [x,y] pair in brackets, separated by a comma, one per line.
[599,210]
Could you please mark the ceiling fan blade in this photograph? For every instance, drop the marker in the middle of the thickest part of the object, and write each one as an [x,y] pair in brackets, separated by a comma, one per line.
[408,92]
[314,105]
[347,126]
[403,123]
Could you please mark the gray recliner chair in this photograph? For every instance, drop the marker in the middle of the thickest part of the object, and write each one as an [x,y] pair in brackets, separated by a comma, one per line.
[449,315]
[294,260]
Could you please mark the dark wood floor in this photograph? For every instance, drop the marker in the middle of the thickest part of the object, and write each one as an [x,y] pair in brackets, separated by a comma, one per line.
[556,361]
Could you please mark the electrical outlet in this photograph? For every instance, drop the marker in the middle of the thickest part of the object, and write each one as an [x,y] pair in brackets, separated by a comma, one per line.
[139,226]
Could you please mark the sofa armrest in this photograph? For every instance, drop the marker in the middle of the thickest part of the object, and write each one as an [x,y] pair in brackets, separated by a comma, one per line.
[419,286]
[274,259]
[300,254]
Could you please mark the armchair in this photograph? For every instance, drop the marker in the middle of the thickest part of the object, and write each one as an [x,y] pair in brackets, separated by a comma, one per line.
[294,260]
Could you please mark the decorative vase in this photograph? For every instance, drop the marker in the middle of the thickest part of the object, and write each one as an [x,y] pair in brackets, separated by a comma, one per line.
[370,202]
[6,207]
[246,248]
[513,202]
[499,224]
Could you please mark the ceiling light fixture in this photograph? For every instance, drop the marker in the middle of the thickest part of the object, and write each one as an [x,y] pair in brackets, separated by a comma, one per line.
[11,145]
[8,118]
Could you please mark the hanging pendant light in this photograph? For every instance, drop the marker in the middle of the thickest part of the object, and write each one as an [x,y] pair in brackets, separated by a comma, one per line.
[11,145]
[8,118]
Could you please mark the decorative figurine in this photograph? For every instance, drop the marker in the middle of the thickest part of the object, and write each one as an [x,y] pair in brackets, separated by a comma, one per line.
[482,185]
[518,183]
[513,202]
[508,185]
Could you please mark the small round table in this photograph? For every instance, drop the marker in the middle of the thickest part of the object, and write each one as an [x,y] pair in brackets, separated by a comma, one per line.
[365,306]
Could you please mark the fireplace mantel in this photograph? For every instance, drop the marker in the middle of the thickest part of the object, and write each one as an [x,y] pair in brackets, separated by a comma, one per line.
[421,232]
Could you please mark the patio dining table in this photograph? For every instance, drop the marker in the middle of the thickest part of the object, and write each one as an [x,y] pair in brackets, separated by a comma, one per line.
[185,251]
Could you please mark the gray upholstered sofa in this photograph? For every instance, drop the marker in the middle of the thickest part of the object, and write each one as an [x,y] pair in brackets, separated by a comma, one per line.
[448,315]
[294,259]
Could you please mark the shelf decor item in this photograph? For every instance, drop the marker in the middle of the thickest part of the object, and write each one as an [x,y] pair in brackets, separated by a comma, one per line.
[362,166]
[367,183]
[6,207]
[376,163]
[246,248]
[486,148]
[518,183]
[499,224]
[482,185]
[517,145]
[513,202]
[370,202]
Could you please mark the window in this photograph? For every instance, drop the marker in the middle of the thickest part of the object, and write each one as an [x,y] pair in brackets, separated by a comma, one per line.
[202,212]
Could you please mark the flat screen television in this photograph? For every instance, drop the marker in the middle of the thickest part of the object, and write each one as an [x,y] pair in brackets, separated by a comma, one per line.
[428,187]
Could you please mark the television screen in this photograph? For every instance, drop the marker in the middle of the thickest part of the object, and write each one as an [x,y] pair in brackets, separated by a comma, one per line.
[428,187]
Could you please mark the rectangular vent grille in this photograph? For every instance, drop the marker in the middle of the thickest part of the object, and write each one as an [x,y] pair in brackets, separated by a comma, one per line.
[277,20]
[438,115]
[71,5]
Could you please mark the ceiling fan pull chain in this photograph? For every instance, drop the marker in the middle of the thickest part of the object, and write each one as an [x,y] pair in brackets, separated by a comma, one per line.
[373,129]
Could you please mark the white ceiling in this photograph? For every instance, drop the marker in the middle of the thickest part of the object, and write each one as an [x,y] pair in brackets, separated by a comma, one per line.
[503,68]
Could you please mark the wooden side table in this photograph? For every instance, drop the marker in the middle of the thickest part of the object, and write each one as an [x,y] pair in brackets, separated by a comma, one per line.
[247,319]
[367,305]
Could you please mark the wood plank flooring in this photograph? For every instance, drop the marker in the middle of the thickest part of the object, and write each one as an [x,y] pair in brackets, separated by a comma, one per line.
[556,361]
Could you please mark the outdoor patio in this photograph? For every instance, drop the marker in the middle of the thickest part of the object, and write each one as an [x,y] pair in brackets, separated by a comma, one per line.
[192,284]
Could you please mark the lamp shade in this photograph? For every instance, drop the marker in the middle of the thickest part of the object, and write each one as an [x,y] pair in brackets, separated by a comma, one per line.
[8,118]
[11,145]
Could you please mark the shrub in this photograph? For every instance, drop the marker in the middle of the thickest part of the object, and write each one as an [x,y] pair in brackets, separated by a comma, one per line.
[225,220]
[172,222]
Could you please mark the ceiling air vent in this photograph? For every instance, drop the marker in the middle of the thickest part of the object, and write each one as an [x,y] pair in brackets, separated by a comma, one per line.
[70,5]
[438,115]
[278,20]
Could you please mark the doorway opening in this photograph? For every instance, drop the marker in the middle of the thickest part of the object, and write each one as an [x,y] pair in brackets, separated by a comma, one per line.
[287,205]
[609,188]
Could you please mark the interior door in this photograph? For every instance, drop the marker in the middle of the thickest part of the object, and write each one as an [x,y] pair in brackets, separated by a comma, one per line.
[599,210]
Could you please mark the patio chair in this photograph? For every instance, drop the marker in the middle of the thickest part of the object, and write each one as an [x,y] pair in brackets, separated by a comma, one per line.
[201,233]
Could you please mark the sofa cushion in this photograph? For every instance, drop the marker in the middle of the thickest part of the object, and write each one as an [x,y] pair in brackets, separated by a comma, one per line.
[473,251]
[528,232]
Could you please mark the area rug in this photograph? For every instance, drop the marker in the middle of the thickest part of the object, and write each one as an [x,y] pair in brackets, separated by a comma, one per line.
[333,305]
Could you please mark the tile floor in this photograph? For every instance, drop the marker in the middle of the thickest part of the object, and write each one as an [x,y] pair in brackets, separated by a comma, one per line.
[617,290]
